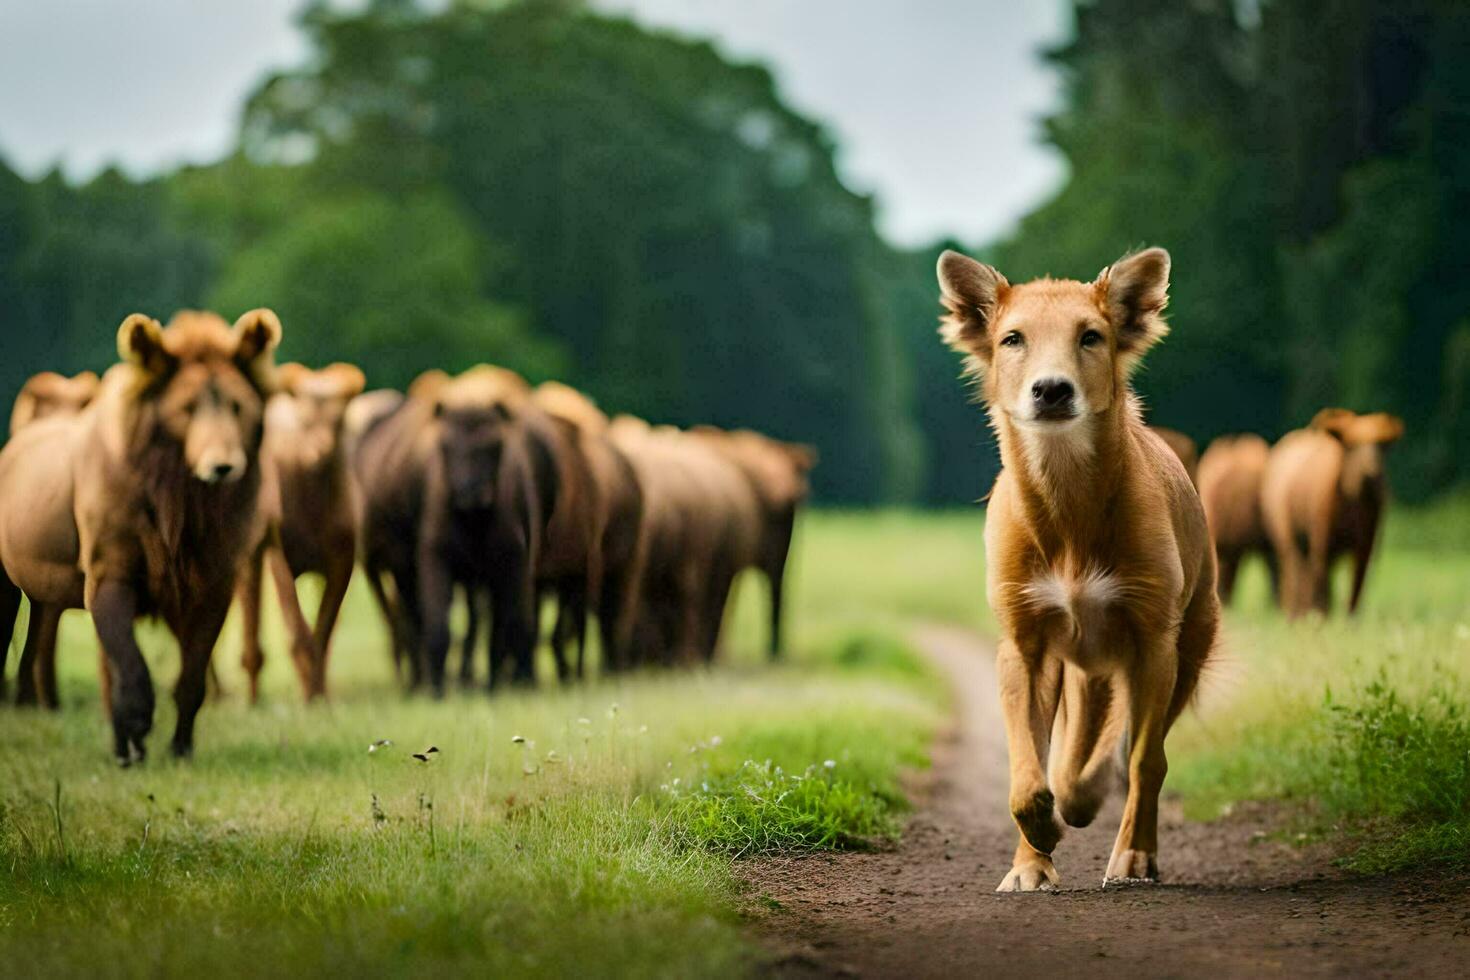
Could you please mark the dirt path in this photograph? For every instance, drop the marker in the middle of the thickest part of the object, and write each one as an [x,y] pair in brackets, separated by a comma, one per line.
[1233,903]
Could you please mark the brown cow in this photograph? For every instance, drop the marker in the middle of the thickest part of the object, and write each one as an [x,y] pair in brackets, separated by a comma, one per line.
[454,491]
[1323,496]
[1230,475]
[145,504]
[45,395]
[49,393]
[1183,447]
[679,540]
[307,510]
[777,472]
[624,546]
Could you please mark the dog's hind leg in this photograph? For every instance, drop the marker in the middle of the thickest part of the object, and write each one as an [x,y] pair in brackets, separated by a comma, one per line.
[1090,724]
[1029,691]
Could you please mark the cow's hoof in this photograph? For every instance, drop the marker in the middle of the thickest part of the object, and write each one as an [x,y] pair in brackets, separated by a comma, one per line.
[1037,876]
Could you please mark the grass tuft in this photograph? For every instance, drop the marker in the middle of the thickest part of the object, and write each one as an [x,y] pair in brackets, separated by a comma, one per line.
[763,809]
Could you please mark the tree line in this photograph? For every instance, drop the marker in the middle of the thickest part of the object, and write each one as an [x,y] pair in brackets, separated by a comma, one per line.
[572,195]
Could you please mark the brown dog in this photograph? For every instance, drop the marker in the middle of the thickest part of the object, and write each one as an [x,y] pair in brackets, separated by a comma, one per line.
[45,395]
[1230,475]
[1100,569]
[307,509]
[145,504]
[1322,496]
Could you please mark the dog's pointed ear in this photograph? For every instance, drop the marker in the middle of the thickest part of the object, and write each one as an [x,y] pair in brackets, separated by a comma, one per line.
[140,343]
[1134,291]
[971,293]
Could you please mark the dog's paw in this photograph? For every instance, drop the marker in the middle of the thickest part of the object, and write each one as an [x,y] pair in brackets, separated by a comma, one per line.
[1035,876]
[1132,868]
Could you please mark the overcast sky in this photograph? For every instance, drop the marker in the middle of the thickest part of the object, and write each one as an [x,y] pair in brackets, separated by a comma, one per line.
[935,103]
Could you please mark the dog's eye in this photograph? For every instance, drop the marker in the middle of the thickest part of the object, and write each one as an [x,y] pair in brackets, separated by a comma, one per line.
[1012,339]
[1090,338]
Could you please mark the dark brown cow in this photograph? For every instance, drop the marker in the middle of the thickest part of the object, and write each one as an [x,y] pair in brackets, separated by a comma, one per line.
[455,492]
[145,504]
[624,545]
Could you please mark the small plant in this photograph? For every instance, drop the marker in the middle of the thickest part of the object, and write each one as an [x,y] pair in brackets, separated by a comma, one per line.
[1407,764]
[761,808]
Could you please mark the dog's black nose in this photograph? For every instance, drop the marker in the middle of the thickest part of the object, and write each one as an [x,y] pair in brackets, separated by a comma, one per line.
[1052,394]
[223,471]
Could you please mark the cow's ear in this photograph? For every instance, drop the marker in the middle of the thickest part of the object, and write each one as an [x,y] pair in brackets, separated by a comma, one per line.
[1382,428]
[1336,422]
[428,385]
[970,292]
[349,379]
[140,343]
[290,375]
[1134,291]
[802,455]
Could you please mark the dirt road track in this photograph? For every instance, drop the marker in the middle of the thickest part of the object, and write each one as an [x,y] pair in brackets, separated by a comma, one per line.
[1233,904]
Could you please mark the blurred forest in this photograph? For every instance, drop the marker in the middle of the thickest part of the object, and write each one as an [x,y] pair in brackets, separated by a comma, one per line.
[574,196]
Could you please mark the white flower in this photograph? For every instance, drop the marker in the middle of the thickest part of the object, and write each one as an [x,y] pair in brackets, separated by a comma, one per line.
[830,764]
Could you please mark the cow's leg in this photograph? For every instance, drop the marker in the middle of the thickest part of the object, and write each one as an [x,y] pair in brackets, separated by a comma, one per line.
[304,654]
[1151,682]
[46,662]
[114,607]
[10,596]
[436,596]
[197,634]
[472,602]
[247,590]
[38,659]
[338,578]
[1029,690]
[38,656]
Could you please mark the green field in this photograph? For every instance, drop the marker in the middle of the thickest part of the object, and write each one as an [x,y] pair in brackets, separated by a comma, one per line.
[593,829]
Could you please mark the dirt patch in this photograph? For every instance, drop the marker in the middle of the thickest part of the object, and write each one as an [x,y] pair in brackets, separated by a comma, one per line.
[1236,902]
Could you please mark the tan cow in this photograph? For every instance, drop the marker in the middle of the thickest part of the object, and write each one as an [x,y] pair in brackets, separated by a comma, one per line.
[1322,496]
[1230,474]
[307,511]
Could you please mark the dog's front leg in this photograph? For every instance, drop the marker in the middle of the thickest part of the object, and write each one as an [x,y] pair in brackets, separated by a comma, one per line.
[1151,681]
[1029,690]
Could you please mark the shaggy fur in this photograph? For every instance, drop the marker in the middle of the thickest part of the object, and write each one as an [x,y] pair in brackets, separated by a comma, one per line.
[145,504]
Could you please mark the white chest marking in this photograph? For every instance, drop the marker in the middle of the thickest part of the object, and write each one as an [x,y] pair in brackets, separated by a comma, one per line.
[1079,596]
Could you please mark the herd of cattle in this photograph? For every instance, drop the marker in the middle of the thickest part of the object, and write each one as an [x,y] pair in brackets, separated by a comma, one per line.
[170,485]
[1314,497]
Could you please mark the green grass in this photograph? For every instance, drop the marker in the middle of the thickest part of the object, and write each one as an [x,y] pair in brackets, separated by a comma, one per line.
[1359,720]
[545,837]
